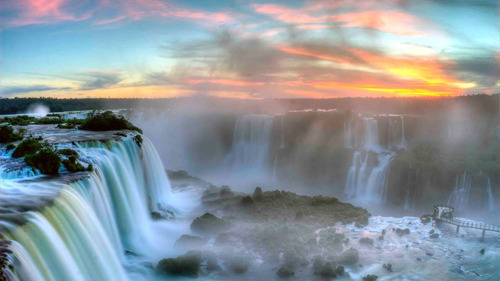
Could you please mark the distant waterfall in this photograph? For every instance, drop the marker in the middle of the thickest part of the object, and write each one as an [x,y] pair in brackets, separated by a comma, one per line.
[491,199]
[402,144]
[348,139]
[459,198]
[365,183]
[396,134]
[84,233]
[282,138]
[251,145]
[371,141]
[367,178]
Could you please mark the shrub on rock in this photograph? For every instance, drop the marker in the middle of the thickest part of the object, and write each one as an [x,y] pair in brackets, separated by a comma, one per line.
[340,270]
[72,165]
[107,121]
[47,160]
[28,146]
[257,193]
[7,134]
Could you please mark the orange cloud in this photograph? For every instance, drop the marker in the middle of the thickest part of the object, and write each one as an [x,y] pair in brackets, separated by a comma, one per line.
[225,82]
[429,69]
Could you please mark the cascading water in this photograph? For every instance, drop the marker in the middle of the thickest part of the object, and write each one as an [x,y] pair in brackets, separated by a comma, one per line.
[84,232]
[403,144]
[251,144]
[366,181]
[348,140]
[459,198]
[491,199]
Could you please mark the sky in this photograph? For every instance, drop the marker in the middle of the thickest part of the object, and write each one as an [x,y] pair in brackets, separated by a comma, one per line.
[248,48]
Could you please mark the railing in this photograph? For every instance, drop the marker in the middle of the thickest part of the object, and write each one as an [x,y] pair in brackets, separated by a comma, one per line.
[476,225]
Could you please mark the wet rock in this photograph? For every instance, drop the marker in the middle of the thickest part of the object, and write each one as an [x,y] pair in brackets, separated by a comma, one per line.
[366,241]
[434,236]
[328,271]
[211,261]
[383,232]
[299,215]
[400,231]
[285,271]
[340,270]
[350,256]
[247,202]
[381,237]
[186,265]
[318,263]
[370,277]
[425,219]
[257,194]
[482,251]
[239,265]
[388,266]
[292,259]
[208,224]
[226,192]
[431,231]
[189,242]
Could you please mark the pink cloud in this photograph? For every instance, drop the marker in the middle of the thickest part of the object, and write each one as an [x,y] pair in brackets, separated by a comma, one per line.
[316,17]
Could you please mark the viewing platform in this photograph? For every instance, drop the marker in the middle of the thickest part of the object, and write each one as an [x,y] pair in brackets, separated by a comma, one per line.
[445,214]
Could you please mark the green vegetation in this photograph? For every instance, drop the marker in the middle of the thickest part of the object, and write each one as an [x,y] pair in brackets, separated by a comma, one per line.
[107,121]
[47,160]
[28,146]
[72,165]
[7,134]
[20,120]
[48,120]
[10,146]
[324,200]
[67,152]
[71,124]
[138,140]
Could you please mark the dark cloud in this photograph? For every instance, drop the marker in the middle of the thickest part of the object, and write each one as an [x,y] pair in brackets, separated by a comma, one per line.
[8,91]
[99,80]
[484,70]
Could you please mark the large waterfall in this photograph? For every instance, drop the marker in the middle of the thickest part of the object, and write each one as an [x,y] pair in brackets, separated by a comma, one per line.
[367,178]
[89,225]
[491,198]
[249,156]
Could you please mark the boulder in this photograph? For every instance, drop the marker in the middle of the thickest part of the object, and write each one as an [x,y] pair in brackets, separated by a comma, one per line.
[366,241]
[186,265]
[388,266]
[285,271]
[239,265]
[400,231]
[434,236]
[328,271]
[340,270]
[370,277]
[257,194]
[208,224]
[350,256]
[482,251]
[189,242]
[226,192]
[247,202]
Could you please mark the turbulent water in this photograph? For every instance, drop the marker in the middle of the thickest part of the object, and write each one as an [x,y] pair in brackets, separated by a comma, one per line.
[92,222]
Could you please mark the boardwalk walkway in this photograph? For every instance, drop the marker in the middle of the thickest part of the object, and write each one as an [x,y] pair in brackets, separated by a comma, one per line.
[445,214]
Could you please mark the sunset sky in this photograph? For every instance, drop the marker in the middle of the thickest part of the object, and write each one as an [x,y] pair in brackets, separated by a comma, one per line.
[248,49]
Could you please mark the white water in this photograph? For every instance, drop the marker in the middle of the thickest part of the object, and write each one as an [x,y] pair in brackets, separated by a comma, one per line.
[249,156]
[83,235]
[491,198]
[459,198]
[348,140]
[365,182]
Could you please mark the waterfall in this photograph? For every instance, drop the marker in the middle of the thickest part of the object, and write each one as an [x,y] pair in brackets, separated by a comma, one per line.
[251,144]
[459,198]
[365,183]
[370,134]
[402,144]
[85,230]
[491,199]
[348,135]
[282,140]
